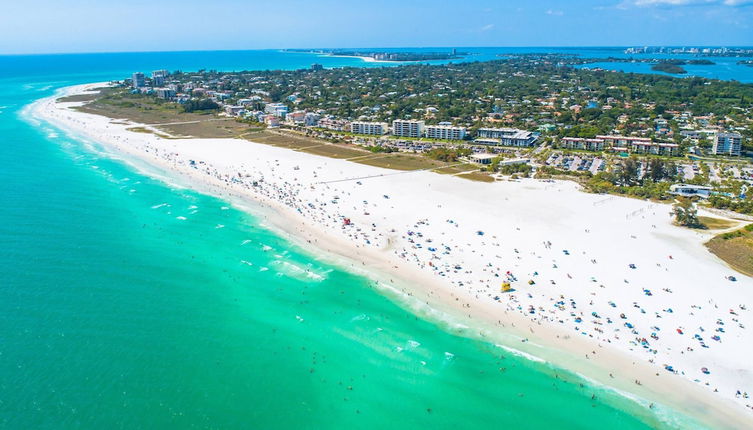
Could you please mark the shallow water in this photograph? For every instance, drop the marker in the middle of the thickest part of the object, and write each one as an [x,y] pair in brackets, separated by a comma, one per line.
[129,303]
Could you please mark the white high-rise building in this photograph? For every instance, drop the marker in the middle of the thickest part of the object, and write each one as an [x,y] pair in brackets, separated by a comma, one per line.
[158,77]
[138,80]
[445,132]
[407,128]
[726,144]
[361,127]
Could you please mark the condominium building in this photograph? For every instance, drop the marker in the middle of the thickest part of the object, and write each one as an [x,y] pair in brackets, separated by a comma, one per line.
[445,132]
[726,144]
[581,143]
[407,128]
[656,148]
[165,93]
[622,142]
[506,137]
[640,145]
[138,80]
[362,127]
[158,77]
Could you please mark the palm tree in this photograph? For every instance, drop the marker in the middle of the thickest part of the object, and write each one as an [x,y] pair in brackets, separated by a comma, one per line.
[685,213]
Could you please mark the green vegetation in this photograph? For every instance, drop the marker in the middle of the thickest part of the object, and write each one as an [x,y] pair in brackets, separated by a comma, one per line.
[685,213]
[448,154]
[524,92]
[716,223]
[735,248]
[510,169]
[200,105]
[743,206]
[626,179]
[668,67]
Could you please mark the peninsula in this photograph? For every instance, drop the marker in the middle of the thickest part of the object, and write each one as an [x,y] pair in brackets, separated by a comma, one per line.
[530,262]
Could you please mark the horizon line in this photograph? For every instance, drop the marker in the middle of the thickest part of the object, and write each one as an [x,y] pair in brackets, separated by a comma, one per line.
[374,47]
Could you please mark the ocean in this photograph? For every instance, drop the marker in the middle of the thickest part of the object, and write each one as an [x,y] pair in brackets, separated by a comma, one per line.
[130,301]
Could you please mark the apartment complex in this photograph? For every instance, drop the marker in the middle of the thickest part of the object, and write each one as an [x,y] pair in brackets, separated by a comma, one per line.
[445,131]
[407,128]
[375,128]
[506,137]
[640,145]
[583,144]
[726,144]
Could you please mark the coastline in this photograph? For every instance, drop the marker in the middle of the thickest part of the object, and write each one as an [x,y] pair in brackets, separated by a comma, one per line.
[365,59]
[547,341]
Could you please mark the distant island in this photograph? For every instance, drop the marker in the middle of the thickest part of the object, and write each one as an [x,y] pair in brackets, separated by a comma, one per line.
[392,56]
[668,67]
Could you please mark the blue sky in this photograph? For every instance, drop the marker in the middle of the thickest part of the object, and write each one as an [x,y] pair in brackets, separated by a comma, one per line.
[43,26]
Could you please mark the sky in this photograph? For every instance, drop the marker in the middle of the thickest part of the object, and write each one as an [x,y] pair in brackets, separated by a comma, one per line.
[66,26]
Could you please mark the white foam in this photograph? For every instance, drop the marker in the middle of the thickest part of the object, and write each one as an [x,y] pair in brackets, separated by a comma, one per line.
[520,353]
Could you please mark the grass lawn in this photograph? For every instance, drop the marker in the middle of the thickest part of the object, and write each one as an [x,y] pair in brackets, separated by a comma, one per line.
[716,223]
[116,103]
[453,170]
[78,98]
[477,176]
[208,128]
[119,103]
[735,248]
[398,161]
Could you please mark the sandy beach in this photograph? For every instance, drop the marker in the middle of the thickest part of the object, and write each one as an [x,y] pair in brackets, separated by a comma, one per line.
[604,286]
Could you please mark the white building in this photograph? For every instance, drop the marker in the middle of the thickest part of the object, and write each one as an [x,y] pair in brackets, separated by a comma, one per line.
[158,77]
[641,145]
[407,128]
[362,127]
[333,124]
[276,109]
[445,132]
[506,137]
[165,93]
[581,143]
[726,144]
[690,190]
[482,158]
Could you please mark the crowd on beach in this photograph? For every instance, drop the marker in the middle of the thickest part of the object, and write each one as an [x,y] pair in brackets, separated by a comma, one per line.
[624,281]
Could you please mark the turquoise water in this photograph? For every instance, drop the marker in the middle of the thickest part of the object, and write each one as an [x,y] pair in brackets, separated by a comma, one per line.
[115,313]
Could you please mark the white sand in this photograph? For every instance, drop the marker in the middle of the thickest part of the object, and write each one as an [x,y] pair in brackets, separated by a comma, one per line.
[396,217]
